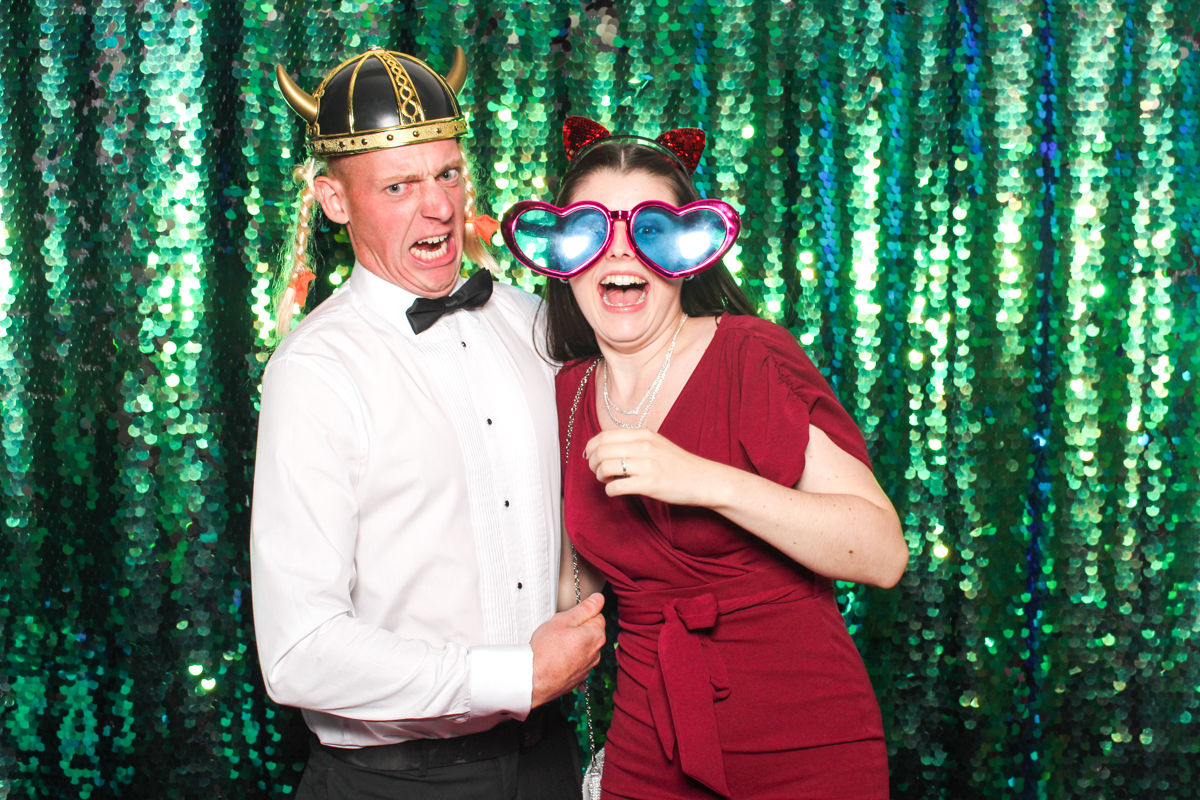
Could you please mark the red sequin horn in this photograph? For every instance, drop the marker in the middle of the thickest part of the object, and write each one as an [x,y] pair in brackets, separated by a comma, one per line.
[686,143]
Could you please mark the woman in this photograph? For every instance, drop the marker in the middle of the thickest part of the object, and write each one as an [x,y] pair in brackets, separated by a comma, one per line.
[716,483]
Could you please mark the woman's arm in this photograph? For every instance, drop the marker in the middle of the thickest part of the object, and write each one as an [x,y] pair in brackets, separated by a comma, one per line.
[590,579]
[836,521]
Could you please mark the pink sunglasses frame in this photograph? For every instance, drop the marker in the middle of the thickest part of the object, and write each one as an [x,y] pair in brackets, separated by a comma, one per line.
[733,225]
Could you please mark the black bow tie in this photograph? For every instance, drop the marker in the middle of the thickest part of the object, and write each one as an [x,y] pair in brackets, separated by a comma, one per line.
[427,310]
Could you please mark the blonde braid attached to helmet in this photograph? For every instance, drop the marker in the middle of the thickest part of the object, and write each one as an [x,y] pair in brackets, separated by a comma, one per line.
[294,276]
[473,242]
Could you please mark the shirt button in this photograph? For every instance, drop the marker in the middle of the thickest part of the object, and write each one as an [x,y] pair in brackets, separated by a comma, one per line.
[518,584]
[506,504]
[489,422]
[464,344]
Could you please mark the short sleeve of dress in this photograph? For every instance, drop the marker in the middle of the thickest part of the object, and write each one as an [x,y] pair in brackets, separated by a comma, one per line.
[782,393]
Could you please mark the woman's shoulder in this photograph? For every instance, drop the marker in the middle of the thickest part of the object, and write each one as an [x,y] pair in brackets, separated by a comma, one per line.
[751,344]
[777,374]
[746,326]
[758,336]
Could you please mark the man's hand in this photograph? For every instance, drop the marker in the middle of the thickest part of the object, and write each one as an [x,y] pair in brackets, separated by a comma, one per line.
[565,648]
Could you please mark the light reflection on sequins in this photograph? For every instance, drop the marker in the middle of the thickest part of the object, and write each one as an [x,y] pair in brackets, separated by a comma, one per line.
[981,220]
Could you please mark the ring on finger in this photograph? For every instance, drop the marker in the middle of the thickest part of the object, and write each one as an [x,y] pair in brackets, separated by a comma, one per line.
[624,469]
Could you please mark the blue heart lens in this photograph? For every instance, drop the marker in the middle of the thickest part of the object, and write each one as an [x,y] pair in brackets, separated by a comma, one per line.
[678,243]
[560,244]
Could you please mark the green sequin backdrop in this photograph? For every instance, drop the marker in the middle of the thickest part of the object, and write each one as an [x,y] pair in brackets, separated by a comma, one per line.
[981,218]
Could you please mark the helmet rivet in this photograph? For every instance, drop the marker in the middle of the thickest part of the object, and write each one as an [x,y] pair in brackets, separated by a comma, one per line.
[416,134]
[390,137]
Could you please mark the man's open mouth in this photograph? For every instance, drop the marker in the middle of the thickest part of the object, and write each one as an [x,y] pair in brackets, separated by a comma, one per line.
[622,291]
[431,248]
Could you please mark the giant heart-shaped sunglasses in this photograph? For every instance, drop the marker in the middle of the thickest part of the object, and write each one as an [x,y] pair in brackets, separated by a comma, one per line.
[673,241]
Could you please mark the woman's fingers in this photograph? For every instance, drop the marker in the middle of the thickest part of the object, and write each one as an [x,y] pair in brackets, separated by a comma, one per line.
[643,462]
[635,476]
[600,450]
[619,451]
[620,436]
[608,469]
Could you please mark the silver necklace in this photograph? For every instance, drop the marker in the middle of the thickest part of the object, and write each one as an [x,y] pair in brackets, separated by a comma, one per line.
[651,393]
[662,373]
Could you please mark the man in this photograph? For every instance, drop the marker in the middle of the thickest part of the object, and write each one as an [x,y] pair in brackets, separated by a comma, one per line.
[405,538]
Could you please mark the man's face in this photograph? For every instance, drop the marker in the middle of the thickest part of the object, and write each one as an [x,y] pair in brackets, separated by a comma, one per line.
[403,209]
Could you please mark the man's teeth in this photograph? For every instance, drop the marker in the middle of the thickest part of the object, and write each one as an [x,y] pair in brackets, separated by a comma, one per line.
[423,244]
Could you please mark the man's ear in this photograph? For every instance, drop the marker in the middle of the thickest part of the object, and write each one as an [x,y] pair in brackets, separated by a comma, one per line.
[332,197]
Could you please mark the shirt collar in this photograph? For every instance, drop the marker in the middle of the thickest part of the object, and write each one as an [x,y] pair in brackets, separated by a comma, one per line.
[385,298]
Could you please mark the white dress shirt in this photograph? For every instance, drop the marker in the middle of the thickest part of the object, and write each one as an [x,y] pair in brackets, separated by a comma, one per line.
[405,535]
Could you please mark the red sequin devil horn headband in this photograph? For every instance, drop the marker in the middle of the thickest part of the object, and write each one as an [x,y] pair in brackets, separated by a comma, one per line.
[686,144]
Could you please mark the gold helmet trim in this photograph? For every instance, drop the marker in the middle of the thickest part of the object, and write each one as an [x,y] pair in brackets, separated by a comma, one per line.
[407,101]
[388,137]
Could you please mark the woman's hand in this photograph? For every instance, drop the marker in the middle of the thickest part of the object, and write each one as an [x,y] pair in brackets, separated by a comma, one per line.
[655,466]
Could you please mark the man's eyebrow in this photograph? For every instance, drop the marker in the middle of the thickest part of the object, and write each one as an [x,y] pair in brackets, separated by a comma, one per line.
[406,178]
[409,177]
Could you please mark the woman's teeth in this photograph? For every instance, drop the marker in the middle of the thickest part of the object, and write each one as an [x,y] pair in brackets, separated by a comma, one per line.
[431,248]
[622,291]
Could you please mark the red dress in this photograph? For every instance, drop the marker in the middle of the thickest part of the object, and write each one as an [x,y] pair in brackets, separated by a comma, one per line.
[736,675]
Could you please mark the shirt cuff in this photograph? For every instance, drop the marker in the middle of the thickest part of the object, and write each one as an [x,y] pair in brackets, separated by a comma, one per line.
[501,680]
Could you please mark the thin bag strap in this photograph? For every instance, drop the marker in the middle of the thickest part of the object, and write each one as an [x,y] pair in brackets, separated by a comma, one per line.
[575,407]
[587,695]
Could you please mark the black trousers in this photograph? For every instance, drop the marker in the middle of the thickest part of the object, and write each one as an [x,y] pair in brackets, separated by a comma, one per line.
[550,770]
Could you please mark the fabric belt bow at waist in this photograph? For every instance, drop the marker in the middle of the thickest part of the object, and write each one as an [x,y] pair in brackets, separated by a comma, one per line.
[690,674]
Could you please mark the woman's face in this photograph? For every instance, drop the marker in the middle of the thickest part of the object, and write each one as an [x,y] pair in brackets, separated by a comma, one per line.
[626,303]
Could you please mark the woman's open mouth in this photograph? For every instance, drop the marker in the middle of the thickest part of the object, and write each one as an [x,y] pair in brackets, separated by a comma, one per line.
[432,248]
[622,291]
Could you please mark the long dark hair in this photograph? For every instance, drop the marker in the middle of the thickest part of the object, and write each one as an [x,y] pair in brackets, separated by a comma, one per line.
[708,294]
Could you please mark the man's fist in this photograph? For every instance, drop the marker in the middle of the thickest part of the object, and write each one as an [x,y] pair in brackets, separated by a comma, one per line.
[565,648]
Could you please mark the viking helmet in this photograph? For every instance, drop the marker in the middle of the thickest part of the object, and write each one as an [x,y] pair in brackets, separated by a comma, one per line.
[379,99]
